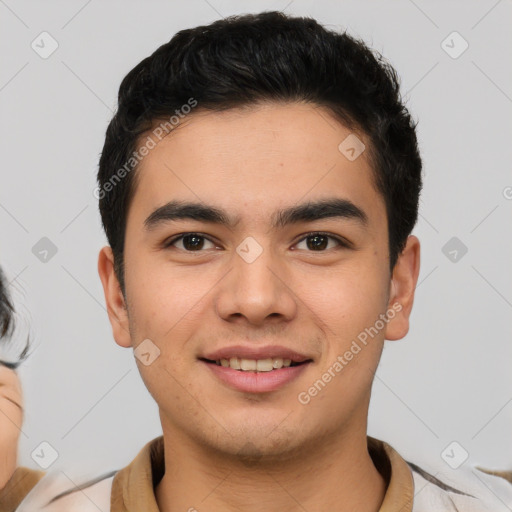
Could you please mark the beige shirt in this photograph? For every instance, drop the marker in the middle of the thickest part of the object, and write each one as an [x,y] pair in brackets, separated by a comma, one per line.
[132,489]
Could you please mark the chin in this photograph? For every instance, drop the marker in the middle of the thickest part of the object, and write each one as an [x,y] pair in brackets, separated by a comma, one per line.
[253,445]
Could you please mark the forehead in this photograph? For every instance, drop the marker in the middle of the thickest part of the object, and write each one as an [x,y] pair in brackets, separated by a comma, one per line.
[253,161]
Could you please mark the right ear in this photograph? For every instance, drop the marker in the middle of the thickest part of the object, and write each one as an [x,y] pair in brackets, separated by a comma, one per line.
[114,299]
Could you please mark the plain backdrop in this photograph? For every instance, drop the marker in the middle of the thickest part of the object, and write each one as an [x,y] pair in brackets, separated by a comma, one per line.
[448,380]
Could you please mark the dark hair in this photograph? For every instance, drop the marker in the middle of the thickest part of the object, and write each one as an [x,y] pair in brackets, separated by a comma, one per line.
[7,323]
[268,57]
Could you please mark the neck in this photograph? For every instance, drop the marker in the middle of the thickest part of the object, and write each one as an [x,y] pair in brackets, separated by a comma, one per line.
[337,474]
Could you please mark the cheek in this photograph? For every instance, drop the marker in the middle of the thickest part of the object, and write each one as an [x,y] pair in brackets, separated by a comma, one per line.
[349,309]
[346,299]
[161,380]
[10,421]
[163,297]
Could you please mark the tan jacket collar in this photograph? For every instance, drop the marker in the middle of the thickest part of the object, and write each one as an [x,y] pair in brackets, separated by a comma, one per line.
[133,486]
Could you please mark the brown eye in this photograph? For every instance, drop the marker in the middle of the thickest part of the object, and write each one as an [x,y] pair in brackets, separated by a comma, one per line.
[190,242]
[319,242]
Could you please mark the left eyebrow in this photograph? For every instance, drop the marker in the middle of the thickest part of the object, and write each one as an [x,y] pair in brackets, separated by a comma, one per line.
[305,212]
[317,210]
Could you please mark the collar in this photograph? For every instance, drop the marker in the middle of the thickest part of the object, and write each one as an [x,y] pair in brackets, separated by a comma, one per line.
[133,488]
[21,482]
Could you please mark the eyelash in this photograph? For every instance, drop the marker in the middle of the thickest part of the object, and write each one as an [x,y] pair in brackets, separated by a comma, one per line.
[341,242]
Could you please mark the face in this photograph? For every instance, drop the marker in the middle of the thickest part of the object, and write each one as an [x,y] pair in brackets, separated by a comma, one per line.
[11,416]
[253,274]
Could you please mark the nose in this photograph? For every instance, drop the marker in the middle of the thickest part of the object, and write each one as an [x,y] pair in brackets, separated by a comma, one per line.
[256,291]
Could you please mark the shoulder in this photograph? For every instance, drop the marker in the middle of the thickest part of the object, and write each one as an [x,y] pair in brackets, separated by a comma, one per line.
[56,492]
[441,489]
[470,489]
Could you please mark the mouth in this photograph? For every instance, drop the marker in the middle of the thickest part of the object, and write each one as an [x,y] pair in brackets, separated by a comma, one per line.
[250,370]
[241,364]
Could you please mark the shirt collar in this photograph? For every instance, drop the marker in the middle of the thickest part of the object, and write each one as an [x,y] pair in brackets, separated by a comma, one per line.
[133,488]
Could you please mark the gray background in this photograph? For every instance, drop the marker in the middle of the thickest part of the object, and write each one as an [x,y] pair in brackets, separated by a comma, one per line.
[448,380]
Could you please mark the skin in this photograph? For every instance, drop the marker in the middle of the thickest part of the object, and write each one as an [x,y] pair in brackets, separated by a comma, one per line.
[226,450]
[11,418]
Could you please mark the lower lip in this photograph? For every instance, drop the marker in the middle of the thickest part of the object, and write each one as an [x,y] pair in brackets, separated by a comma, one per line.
[256,382]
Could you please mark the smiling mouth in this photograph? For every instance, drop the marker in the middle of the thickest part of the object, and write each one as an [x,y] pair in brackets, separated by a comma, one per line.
[256,365]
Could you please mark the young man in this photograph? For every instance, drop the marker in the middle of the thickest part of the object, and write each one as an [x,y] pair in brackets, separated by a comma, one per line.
[258,186]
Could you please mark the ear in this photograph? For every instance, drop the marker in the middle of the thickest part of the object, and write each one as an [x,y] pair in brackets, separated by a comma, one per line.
[402,288]
[116,306]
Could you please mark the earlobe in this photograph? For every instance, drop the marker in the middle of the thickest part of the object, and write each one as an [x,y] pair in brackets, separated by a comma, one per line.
[402,289]
[114,299]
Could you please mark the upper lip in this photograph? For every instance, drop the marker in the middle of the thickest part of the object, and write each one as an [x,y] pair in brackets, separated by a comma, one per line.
[247,352]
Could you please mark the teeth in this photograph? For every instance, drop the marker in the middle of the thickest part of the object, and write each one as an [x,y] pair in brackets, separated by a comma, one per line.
[277,362]
[264,365]
[259,365]
[248,364]
[233,362]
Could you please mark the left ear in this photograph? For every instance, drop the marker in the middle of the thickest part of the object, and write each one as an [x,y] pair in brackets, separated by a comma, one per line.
[403,286]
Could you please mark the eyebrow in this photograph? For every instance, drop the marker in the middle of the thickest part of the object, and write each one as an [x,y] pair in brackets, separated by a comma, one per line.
[306,212]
